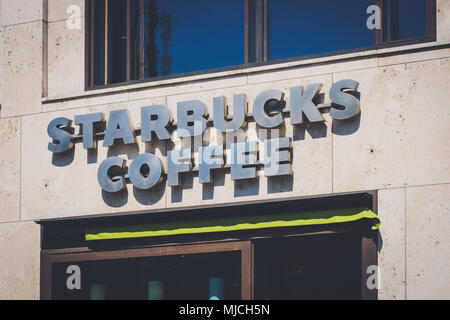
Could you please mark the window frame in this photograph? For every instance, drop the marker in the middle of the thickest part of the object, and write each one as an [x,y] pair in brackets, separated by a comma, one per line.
[48,258]
[202,243]
[256,43]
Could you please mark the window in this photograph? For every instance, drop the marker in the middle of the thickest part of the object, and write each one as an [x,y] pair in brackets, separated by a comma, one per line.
[143,39]
[136,40]
[404,19]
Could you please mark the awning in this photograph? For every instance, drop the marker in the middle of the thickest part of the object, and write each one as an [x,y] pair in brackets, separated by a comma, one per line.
[309,218]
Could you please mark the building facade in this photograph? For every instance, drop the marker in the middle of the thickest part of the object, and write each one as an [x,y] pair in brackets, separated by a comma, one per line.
[390,156]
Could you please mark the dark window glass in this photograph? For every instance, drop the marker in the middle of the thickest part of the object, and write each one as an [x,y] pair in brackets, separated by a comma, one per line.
[110,41]
[404,19]
[99,42]
[135,34]
[317,267]
[304,27]
[144,39]
[166,37]
[117,41]
[189,36]
[208,276]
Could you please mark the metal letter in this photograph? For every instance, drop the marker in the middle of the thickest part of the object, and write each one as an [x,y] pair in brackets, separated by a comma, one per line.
[212,158]
[87,122]
[158,125]
[155,170]
[301,103]
[349,102]
[259,113]
[243,154]
[220,109]
[274,156]
[177,161]
[119,127]
[103,177]
[189,114]
[61,139]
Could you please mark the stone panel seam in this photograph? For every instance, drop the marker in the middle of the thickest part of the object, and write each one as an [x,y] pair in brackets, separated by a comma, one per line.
[406,251]
[392,188]
[428,185]
[61,20]
[20,169]
[414,61]
[22,23]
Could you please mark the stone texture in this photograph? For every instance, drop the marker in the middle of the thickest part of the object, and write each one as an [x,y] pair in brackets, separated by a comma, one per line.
[2,46]
[10,169]
[64,9]
[108,97]
[65,60]
[427,239]
[185,85]
[22,64]
[391,258]
[393,58]
[19,266]
[66,184]
[21,11]
[443,20]
[403,126]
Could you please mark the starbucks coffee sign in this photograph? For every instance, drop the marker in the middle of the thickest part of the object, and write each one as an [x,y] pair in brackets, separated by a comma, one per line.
[243,156]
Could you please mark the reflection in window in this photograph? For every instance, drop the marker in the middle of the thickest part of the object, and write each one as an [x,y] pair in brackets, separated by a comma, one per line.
[110,41]
[166,37]
[303,27]
[144,39]
[404,19]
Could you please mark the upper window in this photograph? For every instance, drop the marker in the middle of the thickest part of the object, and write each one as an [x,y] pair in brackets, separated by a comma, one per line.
[132,40]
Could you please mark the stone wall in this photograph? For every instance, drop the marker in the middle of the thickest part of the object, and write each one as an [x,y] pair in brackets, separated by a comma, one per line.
[398,145]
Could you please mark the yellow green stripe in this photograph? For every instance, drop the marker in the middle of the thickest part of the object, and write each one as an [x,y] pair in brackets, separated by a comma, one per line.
[235,224]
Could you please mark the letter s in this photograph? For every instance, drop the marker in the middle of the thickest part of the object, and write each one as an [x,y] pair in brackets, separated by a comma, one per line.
[61,139]
[346,100]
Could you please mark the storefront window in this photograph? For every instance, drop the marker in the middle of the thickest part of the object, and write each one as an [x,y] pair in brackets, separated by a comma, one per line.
[136,40]
[208,276]
[300,28]
[164,37]
[252,260]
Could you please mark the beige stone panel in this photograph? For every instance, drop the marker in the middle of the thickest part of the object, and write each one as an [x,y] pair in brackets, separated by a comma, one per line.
[356,64]
[427,239]
[66,185]
[289,73]
[443,20]
[401,137]
[65,60]
[307,70]
[394,58]
[391,258]
[22,63]
[109,98]
[311,157]
[65,10]
[10,169]
[19,266]
[2,45]
[198,86]
[21,11]
[428,142]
